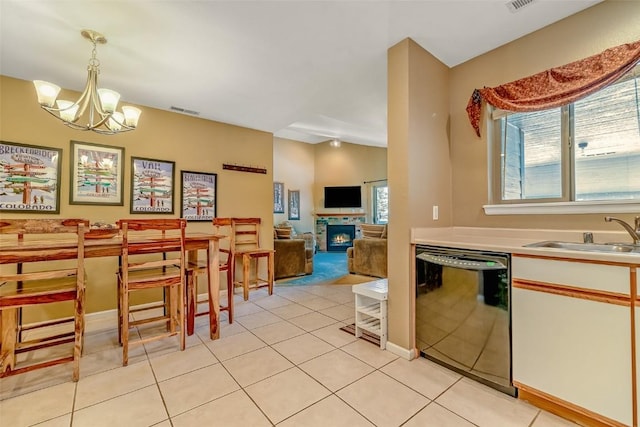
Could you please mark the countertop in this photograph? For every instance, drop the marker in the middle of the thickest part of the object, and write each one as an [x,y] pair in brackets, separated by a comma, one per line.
[512,241]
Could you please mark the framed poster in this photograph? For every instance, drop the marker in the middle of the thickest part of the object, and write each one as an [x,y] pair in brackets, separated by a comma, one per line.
[198,195]
[97,174]
[152,186]
[294,204]
[278,197]
[29,178]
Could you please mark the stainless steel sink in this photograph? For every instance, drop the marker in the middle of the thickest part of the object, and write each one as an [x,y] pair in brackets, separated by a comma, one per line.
[587,247]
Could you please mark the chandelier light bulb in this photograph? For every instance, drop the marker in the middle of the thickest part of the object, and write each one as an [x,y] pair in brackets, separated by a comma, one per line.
[115,121]
[335,143]
[47,92]
[131,115]
[68,110]
[108,99]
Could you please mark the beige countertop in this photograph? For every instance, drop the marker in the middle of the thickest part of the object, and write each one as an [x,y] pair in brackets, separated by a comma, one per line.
[513,240]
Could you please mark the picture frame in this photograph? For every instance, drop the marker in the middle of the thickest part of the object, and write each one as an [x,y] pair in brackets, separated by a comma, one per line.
[97,174]
[152,186]
[278,197]
[30,178]
[198,195]
[294,204]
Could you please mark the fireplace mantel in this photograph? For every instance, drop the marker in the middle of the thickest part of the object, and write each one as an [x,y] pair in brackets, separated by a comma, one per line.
[339,214]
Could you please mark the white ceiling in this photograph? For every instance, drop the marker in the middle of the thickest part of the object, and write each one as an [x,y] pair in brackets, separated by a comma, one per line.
[304,70]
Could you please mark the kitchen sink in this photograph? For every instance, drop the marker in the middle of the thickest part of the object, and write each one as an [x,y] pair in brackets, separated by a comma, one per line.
[587,247]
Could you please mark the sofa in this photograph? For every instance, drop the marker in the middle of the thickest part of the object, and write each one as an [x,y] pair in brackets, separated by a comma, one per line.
[368,255]
[294,253]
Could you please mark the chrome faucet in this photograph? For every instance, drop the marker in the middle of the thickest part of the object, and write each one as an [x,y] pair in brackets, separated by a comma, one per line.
[635,234]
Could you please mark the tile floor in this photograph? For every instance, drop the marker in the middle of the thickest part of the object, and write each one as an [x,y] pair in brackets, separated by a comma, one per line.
[282,362]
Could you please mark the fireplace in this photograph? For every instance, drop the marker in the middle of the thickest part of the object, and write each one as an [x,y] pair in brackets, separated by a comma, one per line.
[340,237]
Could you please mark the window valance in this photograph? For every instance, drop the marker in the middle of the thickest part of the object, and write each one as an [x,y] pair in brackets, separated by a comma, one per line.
[557,86]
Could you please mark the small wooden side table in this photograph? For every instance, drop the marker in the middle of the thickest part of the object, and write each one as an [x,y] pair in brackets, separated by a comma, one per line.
[371,309]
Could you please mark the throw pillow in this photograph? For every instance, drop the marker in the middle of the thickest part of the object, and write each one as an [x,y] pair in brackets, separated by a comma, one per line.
[287,224]
[373,231]
[283,233]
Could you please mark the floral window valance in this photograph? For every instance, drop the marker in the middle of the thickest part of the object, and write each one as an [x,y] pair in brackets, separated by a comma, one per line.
[557,86]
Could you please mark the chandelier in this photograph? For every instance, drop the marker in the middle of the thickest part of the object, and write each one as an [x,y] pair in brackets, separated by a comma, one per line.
[95,110]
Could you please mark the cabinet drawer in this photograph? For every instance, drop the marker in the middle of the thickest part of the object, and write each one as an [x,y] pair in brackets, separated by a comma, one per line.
[590,276]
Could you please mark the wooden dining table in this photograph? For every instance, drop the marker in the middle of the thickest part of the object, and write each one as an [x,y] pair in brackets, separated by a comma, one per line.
[101,244]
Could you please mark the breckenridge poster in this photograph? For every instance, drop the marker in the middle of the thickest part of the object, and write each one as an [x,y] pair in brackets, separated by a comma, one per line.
[29,178]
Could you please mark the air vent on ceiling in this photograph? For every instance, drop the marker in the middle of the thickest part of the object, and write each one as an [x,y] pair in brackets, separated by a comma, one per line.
[516,5]
[185,111]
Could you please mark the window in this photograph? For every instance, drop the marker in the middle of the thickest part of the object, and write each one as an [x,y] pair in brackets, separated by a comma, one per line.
[381,204]
[585,151]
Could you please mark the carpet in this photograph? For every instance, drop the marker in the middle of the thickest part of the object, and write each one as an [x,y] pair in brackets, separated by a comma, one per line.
[352,279]
[367,336]
[327,266]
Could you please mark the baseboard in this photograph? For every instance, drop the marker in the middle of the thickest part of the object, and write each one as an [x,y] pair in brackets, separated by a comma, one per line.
[101,321]
[563,408]
[408,354]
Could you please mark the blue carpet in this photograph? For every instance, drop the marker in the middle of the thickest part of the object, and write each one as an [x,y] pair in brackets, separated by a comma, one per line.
[326,266]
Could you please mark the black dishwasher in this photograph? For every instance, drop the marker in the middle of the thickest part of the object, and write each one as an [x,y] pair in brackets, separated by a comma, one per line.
[463,314]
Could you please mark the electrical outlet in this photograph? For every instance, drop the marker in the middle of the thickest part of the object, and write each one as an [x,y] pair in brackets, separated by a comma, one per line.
[435,213]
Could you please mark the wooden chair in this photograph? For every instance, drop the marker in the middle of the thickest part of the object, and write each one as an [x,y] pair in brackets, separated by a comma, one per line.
[245,233]
[138,272]
[197,267]
[51,284]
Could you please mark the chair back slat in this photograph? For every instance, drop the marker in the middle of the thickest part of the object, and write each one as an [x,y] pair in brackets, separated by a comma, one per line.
[153,224]
[246,232]
[148,244]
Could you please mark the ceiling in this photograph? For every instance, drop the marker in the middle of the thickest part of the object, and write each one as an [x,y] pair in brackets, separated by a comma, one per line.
[303,70]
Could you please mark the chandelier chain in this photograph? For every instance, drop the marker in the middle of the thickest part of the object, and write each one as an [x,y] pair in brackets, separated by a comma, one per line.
[94,62]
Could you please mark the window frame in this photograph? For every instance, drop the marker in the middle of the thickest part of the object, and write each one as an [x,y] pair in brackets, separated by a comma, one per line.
[374,201]
[564,204]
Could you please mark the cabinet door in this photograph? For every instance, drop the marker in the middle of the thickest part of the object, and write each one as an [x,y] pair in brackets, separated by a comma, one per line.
[574,349]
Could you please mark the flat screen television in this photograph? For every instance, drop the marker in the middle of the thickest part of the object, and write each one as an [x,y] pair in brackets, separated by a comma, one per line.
[343,197]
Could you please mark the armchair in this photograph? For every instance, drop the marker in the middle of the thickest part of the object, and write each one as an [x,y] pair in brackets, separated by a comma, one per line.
[294,253]
[368,256]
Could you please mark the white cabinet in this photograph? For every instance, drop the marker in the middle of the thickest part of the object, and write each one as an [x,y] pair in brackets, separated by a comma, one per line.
[571,327]
[371,309]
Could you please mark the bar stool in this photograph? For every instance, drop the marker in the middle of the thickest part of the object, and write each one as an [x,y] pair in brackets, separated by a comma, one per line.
[138,273]
[197,267]
[246,248]
[51,284]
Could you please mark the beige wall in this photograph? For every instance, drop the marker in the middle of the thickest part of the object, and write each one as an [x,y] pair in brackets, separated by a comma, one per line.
[603,26]
[418,167]
[193,144]
[350,164]
[293,165]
